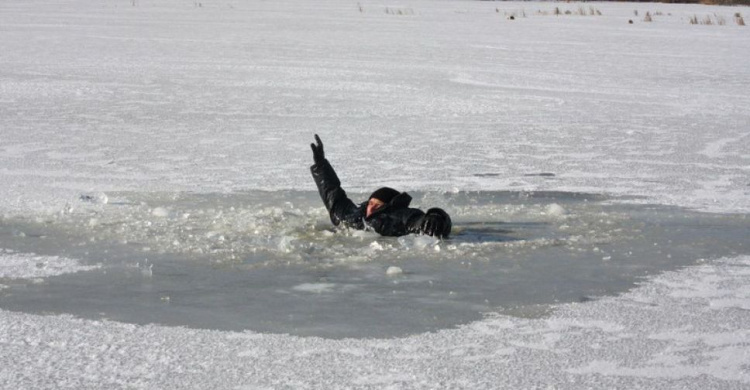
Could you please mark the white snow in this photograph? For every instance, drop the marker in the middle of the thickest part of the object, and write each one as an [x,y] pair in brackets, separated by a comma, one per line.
[647,338]
[445,95]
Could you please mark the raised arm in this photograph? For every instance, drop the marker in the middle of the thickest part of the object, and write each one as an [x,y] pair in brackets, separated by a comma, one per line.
[340,207]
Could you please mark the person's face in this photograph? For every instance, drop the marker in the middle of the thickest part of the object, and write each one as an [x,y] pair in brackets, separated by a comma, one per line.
[373,205]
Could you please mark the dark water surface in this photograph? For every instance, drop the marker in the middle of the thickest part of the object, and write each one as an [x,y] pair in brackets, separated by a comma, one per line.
[271,262]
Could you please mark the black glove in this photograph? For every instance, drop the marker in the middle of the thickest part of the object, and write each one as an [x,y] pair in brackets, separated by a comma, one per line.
[436,223]
[318,154]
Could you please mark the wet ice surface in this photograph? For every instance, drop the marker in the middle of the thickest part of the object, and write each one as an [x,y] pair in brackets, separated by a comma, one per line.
[271,261]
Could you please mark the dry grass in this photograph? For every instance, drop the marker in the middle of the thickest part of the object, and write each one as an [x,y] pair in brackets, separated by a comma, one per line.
[582,11]
[717,19]
[399,11]
[647,18]
[707,2]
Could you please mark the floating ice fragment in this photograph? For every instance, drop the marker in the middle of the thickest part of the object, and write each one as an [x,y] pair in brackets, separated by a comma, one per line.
[360,233]
[286,244]
[555,210]
[417,242]
[314,287]
[393,270]
[160,212]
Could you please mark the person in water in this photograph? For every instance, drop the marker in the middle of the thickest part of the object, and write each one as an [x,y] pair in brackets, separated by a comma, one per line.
[386,211]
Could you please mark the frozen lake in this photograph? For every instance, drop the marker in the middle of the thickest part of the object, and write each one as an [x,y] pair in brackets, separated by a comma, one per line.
[167,96]
[565,146]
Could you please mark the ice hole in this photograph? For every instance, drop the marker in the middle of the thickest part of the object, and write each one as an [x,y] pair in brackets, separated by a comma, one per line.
[272,262]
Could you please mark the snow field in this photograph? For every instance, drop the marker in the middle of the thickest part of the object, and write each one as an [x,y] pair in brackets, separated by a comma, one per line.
[225,97]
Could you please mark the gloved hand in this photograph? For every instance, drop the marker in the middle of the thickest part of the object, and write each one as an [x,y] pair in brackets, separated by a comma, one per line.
[318,154]
[436,223]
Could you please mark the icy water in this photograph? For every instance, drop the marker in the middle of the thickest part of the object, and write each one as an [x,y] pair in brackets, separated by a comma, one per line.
[271,261]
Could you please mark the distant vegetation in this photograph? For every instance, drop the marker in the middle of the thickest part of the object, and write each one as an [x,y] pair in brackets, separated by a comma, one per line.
[582,11]
[707,2]
[396,11]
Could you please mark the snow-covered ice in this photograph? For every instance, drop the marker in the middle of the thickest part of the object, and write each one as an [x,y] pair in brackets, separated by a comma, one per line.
[666,334]
[438,96]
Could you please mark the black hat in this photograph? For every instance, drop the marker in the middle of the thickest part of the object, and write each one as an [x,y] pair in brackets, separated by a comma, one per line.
[386,194]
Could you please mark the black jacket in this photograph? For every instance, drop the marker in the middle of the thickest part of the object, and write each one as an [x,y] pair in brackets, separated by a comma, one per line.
[395,218]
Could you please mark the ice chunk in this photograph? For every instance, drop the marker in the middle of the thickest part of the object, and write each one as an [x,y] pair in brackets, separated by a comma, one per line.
[417,242]
[393,270]
[314,287]
[361,234]
[29,266]
[286,244]
[555,210]
[160,212]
